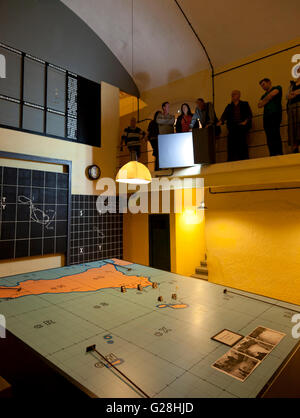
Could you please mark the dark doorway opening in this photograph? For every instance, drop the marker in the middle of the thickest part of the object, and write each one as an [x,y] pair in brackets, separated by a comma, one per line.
[159,242]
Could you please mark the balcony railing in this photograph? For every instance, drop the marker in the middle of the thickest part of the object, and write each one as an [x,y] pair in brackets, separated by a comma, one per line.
[257,144]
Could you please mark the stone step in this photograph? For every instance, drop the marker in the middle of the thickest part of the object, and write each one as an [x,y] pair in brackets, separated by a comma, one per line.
[200,276]
[203,264]
[201,270]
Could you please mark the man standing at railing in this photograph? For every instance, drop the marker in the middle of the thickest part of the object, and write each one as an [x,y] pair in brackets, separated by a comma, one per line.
[133,136]
[238,117]
[165,121]
[271,102]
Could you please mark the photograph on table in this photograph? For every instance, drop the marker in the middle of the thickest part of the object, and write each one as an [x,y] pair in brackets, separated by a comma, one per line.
[267,335]
[254,348]
[236,364]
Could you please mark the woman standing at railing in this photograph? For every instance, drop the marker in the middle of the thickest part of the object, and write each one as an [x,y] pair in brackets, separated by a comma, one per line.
[184,119]
[293,108]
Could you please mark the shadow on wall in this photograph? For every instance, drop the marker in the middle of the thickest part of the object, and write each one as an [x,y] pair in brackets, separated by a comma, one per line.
[174,75]
[142,80]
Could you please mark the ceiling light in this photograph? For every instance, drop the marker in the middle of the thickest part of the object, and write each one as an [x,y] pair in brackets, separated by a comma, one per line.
[134,173]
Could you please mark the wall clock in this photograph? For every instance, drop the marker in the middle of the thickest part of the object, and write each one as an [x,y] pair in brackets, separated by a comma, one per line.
[93,172]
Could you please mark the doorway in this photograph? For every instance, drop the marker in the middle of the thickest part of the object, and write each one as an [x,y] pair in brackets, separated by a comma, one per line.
[159,242]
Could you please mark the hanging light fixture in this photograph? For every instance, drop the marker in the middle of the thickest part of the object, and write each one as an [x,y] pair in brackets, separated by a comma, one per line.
[133,172]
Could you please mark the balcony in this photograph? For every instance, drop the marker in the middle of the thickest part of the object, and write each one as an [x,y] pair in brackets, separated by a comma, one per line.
[257,146]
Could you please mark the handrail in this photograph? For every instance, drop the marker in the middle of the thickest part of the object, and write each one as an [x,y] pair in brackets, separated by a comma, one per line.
[254,190]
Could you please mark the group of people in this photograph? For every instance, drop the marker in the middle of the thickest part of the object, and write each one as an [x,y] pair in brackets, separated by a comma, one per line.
[238,118]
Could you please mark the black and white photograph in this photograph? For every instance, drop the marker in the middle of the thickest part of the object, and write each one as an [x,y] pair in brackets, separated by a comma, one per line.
[267,335]
[236,364]
[254,348]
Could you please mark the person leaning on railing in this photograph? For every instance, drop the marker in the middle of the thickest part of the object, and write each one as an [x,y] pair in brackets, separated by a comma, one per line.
[165,121]
[293,109]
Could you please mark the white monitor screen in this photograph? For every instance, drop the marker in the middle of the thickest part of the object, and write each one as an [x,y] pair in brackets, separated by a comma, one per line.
[176,150]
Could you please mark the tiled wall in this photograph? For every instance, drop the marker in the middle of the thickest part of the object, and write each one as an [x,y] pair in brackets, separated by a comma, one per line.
[94,236]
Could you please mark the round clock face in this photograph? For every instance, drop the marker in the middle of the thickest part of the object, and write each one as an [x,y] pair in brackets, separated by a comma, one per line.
[94,172]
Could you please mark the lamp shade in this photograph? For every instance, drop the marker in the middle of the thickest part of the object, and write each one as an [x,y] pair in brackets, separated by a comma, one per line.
[134,173]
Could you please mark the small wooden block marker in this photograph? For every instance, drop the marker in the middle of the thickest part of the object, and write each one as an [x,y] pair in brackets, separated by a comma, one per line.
[160,299]
[155,285]
[140,287]
[174,296]
[123,289]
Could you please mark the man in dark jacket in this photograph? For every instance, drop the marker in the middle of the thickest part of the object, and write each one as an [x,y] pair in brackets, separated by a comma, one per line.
[271,102]
[238,117]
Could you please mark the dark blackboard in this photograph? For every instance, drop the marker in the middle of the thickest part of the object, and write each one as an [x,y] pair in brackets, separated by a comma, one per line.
[33,212]
[42,98]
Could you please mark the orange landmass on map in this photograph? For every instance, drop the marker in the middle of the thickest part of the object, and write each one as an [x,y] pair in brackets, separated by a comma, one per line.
[173,306]
[93,279]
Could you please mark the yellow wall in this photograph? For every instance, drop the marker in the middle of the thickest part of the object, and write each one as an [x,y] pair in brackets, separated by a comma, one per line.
[277,68]
[189,242]
[80,155]
[136,238]
[253,242]
[253,238]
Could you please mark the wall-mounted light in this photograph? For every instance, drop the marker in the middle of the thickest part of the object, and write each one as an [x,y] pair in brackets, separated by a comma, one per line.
[192,217]
[202,206]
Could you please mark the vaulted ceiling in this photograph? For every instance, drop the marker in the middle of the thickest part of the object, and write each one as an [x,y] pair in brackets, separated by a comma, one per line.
[155,44]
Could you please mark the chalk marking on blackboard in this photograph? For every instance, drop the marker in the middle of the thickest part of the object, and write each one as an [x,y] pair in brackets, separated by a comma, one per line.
[100,233]
[38,215]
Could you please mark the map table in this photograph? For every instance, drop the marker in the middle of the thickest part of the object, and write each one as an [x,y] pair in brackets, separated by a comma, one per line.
[164,346]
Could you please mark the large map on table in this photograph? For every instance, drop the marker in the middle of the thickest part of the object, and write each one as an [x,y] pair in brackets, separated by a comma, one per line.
[92,279]
[157,335]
